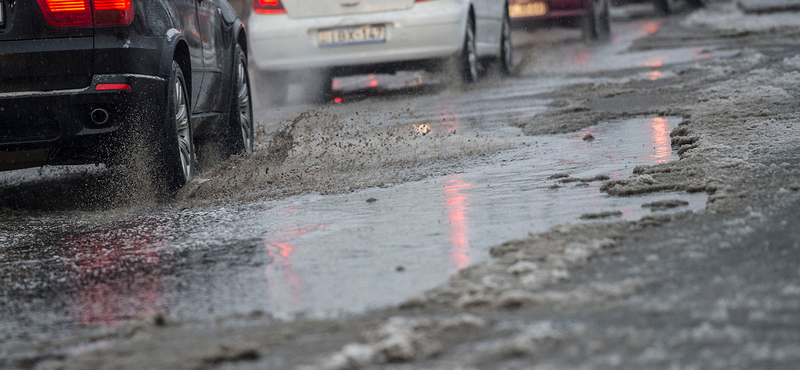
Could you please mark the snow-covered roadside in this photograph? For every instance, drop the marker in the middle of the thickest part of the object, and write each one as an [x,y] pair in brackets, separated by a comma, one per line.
[689,290]
[730,17]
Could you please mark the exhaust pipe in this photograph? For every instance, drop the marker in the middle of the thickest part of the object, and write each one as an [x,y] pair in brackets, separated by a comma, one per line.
[99,116]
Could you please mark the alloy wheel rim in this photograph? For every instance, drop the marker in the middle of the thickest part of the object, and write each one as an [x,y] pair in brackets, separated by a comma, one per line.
[243,98]
[183,130]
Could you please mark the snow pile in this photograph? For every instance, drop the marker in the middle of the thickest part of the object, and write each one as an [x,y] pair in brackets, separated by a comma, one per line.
[792,62]
[731,19]
[398,340]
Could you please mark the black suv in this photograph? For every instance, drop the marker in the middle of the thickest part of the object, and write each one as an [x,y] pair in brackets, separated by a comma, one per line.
[122,81]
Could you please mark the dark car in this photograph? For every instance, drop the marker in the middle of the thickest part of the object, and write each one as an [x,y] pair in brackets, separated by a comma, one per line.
[122,81]
[592,15]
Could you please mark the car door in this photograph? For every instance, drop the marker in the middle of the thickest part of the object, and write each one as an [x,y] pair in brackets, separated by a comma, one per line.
[185,14]
[210,18]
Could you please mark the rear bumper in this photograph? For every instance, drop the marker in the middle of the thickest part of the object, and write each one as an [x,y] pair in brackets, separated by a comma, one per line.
[429,30]
[59,122]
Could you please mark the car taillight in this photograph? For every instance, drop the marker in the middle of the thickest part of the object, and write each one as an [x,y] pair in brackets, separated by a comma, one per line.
[86,13]
[66,13]
[113,12]
[268,7]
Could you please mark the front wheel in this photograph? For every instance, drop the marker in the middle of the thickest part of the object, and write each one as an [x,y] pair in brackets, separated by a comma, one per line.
[240,125]
[271,88]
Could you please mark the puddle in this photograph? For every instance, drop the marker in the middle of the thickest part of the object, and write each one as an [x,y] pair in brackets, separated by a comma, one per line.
[340,254]
[332,255]
[555,58]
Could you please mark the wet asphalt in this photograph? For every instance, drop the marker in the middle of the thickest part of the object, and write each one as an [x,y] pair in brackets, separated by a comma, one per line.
[73,264]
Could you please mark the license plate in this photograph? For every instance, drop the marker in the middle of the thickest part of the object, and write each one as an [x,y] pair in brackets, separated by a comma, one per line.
[366,34]
[2,13]
[527,9]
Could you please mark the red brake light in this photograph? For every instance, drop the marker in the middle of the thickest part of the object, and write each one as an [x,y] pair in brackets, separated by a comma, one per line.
[106,87]
[86,13]
[113,12]
[66,13]
[268,7]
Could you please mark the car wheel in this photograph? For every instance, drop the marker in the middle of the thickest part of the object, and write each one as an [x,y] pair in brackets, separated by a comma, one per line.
[321,87]
[271,88]
[506,48]
[175,157]
[240,125]
[665,6]
[468,61]
[597,25]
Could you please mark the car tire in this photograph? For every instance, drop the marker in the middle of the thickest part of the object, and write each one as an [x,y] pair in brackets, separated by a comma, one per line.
[597,24]
[506,57]
[271,88]
[665,7]
[321,87]
[468,64]
[240,124]
[174,158]
[463,68]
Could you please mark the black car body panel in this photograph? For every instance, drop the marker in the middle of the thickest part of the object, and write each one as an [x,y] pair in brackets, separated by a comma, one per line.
[48,75]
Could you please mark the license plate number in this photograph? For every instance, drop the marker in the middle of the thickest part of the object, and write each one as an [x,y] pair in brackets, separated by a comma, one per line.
[527,9]
[366,34]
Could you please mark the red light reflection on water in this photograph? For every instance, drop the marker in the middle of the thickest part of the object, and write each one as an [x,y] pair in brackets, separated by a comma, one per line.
[651,28]
[284,283]
[654,75]
[108,292]
[662,148]
[459,223]
[654,62]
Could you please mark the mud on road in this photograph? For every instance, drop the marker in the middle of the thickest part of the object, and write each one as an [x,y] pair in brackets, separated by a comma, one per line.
[718,288]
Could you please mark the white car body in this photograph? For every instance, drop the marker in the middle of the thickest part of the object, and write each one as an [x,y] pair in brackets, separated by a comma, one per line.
[414,31]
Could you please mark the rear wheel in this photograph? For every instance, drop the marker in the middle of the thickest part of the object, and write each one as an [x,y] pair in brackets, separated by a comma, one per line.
[321,87]
[506,48]
[462,68]
[597,25]
[271,88]
[468,60]
[174,156]
[240,125]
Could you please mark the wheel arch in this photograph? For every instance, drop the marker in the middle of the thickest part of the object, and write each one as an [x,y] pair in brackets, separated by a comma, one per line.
[241,36]
[176,49]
